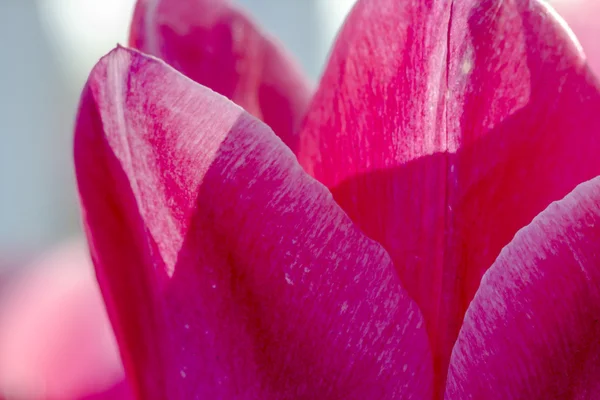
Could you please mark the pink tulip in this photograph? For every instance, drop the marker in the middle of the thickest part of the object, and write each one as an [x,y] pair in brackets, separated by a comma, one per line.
[55,339]
[434,232]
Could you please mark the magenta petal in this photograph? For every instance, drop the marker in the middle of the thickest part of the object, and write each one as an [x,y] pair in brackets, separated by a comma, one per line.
[533,328]
[218,46]
[229,272]
[444,139]
[582,17]
[55,338]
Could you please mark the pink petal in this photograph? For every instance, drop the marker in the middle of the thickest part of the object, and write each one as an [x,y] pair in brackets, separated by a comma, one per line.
[218,46]
[443,139]
[55,338]
[532,331]
[229,273]
[582,17]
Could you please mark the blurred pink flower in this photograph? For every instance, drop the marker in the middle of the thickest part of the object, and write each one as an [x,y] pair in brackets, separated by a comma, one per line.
[582,17]
[428,225]
[55,338]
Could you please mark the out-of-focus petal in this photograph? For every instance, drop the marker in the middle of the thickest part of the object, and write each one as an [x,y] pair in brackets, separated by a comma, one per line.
[533,328]
[582,16]
[55,338]
[218,46]
[228,272]
[444,127]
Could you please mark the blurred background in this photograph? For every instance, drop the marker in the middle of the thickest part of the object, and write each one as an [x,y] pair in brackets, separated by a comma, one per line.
[48,48]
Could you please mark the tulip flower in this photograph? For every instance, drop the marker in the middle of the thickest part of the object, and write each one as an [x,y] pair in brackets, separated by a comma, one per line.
[55,338]
[427,226]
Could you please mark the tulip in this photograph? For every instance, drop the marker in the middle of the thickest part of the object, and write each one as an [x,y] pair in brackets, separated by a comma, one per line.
[55,338]
[426,226]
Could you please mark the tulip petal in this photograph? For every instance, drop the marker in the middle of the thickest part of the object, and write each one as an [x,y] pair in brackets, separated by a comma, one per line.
[55,338]
[533,328]
[582,17]
[444,139]
[218,46]
[228,272]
